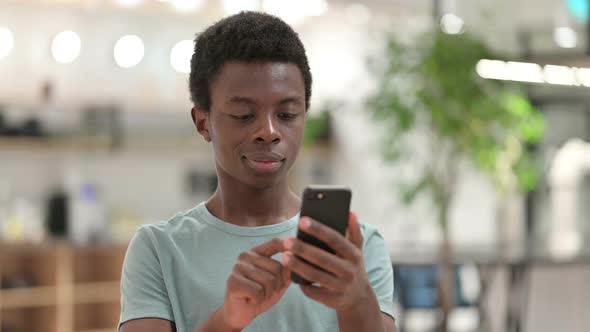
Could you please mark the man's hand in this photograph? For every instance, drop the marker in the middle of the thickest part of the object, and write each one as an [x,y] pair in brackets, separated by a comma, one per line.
[342,282]
[256,284]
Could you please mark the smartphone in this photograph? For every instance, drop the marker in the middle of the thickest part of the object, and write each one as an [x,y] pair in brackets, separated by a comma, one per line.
[329,205]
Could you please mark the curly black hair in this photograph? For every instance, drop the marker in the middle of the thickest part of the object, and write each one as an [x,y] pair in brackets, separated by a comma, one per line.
[247,36]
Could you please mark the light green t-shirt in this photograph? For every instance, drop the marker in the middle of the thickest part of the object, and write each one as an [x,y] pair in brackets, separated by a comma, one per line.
[177,270]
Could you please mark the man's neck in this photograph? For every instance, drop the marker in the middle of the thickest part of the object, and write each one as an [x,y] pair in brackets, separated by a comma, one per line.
[246,206]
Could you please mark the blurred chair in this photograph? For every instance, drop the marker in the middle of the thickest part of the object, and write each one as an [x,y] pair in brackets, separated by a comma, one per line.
[416,291]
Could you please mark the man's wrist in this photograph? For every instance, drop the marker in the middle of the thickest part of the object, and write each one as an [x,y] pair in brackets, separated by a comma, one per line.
[364,314]
[363,302]
[220,323]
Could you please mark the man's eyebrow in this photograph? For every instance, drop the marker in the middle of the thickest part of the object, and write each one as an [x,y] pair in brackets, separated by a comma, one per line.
[250,101]
[288,100]
[241,100]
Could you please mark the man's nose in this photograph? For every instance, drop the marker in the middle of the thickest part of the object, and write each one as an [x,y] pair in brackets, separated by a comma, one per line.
[267,131]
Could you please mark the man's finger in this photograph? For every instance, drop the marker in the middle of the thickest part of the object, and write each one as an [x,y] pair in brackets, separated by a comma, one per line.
[341,246]
[269,248]
[312,254]
[311,273]
[318,294]
[353,232]
[243,287]
[286,277]
[262,262]
[265,279]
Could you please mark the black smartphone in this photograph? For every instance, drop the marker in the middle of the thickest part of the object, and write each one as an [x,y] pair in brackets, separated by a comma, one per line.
[329,205]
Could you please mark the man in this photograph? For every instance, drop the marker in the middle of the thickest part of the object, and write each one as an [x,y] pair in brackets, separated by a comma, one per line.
[225,265]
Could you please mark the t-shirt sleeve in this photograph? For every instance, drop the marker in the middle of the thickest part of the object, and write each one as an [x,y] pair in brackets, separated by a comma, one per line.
[378,267]
[143,291]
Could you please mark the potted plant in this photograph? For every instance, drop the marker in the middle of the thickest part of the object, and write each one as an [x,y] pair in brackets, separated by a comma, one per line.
[431,87]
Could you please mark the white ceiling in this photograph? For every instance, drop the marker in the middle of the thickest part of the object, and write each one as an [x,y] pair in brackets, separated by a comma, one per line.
[213,7]
[499,21]
[509,11]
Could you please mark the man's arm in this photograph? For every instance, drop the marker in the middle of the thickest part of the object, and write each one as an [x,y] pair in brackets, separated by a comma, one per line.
[144,299]
[365,318]
[256,283]
[214,324]
[148,325]
[388,323]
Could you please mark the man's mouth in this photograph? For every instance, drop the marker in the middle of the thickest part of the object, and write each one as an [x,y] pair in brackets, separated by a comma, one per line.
[264,166]
[267,162]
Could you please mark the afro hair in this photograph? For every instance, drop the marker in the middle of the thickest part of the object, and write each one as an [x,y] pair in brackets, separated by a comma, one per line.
[248,37]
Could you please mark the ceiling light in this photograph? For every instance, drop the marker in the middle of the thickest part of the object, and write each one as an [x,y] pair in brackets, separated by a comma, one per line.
[533,72]
[525,72]
[491,69]
[66,46]
[129,3]
[180,56]
[128,51]
[565,37]
[560,75]
[6,42]
[451,24]
[583,75]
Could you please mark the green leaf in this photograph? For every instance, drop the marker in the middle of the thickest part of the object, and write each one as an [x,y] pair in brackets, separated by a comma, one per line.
[528,174]
[533,129]
[518,105]
[317,127]
[432,85]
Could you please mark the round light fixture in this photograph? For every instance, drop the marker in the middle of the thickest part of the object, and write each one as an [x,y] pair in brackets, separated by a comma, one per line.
[565,37]
[129,3]
[66,46]
[180,56]
[128,51]
[451,24]
[6,42]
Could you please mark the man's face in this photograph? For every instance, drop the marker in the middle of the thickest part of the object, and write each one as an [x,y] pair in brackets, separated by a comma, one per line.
[256,121]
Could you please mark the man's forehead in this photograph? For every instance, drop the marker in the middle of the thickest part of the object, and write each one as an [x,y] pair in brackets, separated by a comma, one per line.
[252,75]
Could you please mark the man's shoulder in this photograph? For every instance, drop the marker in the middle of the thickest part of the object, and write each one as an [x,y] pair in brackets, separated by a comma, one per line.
[373,241]
[368,230]
[182,223]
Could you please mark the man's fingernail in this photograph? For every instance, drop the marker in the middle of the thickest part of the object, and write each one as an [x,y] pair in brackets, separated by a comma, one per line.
[305,223]
[286,258]
[289,244]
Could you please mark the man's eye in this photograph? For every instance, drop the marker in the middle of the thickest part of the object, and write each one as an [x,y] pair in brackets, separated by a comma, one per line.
[287,116]
[242,117]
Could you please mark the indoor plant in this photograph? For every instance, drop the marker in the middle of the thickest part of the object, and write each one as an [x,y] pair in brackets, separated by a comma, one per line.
[431,87]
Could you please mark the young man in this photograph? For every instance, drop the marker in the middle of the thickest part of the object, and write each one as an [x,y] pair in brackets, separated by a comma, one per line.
[225,265]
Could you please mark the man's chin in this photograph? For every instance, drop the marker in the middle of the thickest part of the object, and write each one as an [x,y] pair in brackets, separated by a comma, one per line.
[264,181]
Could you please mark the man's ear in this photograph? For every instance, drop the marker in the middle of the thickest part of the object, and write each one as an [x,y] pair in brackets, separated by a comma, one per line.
[201,121]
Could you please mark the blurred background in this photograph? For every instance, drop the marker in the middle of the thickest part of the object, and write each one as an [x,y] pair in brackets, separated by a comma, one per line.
[462,127]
